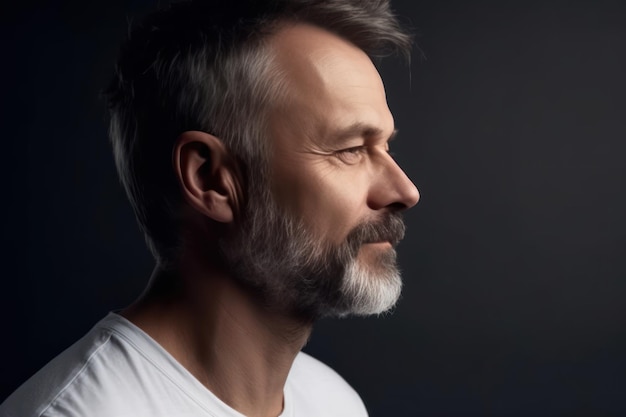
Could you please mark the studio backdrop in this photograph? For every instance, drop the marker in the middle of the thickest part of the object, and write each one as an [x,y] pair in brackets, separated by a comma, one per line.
[512,123]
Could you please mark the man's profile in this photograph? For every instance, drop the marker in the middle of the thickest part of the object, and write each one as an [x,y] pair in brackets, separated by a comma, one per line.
[252,139]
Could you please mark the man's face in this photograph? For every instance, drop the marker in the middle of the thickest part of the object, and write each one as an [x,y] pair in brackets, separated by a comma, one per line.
[325,226]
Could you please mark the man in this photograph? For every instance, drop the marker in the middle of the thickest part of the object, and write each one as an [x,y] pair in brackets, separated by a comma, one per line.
[252,140]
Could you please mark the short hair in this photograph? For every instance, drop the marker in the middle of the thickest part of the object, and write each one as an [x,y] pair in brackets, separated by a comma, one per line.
[204,65]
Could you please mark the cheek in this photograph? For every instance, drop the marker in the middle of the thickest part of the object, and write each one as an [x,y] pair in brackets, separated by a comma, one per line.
[334,206]
[330,201]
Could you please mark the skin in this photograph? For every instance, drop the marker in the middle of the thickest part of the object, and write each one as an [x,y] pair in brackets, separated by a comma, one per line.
[330,166]
[331,136]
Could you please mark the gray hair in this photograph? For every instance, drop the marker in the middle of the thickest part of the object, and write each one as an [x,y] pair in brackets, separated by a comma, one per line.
[204,65]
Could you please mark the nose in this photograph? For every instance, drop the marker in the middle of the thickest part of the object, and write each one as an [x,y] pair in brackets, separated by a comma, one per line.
[392,188]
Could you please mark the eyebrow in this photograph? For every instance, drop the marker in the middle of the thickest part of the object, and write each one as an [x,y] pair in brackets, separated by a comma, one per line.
[359,129]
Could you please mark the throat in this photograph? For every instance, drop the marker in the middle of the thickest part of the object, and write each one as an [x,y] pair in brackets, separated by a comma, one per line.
[237,349]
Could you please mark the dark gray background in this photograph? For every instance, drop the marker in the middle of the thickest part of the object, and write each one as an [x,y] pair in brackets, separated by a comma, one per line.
[513,128]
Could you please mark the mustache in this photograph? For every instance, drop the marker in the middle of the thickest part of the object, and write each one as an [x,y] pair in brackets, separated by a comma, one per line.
[389,228]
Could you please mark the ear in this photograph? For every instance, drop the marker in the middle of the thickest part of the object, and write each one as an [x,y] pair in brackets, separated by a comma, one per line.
[206,176]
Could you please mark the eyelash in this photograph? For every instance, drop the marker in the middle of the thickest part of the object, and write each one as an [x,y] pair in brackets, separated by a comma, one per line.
[350,152]
[355,149]
[355,152]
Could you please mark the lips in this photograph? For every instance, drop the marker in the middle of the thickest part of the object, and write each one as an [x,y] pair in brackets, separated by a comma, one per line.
[381,243]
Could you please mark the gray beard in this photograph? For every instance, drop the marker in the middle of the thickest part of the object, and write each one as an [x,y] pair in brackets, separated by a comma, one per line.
[274,255]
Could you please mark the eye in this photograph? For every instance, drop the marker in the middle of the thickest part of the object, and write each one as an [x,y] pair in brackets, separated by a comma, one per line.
[351,155]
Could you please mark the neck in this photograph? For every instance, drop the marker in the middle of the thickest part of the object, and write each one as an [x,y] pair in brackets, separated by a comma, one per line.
[222,334]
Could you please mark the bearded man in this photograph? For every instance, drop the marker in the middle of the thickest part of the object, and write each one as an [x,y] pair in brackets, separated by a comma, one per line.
[252,139]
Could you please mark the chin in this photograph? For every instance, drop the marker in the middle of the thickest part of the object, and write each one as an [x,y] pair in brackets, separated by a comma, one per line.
[370,290]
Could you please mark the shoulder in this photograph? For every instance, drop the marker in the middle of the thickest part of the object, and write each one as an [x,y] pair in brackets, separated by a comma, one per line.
[36,396]
[102,374]
[316,389]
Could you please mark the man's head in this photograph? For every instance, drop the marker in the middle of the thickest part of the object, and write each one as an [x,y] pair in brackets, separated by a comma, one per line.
[291,106]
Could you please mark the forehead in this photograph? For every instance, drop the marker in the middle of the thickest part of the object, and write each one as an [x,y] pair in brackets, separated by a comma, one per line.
[329,83]
[308,53]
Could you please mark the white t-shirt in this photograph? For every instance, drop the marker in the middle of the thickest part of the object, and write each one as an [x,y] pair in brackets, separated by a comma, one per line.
[117,370]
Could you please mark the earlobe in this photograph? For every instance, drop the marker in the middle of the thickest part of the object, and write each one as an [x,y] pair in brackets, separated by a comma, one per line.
[203,168]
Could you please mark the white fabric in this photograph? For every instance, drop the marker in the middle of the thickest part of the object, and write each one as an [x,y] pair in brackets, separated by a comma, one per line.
[117,370]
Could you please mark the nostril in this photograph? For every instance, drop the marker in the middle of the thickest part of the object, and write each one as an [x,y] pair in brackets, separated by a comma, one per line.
[397,206]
